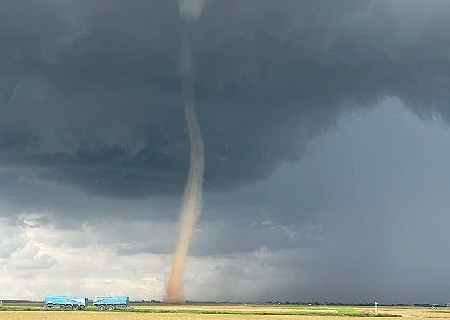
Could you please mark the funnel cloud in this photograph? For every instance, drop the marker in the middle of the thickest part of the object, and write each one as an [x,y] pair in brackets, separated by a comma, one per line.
[192,198]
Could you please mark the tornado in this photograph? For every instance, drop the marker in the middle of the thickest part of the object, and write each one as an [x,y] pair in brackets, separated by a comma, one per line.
[192,197]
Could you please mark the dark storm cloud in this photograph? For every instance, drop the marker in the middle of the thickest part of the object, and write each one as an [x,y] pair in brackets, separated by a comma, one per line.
[90,91]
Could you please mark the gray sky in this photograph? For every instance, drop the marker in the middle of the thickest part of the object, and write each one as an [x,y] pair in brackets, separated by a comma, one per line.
[325,128]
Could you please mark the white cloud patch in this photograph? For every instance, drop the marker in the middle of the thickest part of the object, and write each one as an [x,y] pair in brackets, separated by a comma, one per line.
[11,239]
[21,259]
[30,257]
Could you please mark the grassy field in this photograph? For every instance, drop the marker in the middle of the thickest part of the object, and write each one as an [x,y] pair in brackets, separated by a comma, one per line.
[217,311]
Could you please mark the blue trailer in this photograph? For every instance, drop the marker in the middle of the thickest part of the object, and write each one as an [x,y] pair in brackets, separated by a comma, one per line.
[66,302]
[111,303]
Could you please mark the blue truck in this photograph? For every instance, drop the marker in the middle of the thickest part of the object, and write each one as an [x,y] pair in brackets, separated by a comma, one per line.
[66,302]
[111,303]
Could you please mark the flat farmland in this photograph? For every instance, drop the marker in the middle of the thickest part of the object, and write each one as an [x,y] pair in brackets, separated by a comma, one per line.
[94,315]
[218,312]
